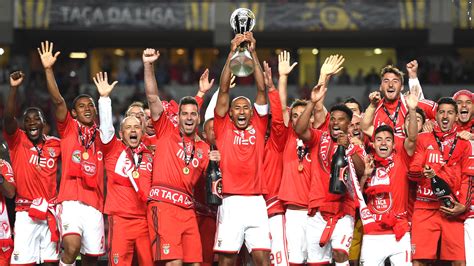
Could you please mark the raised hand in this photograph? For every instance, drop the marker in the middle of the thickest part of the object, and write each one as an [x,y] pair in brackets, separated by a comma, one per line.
[46,54]
[374,98]
[252,42]
[267,74]
[238,39]
[412,69]
[16,78]
[284,67]
[150,55]
[317,93]
[232,81]
[102,84]
[332,65]
[343,140]
[204,84]
[412,98]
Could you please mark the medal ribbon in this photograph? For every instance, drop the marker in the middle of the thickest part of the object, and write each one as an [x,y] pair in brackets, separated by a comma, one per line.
[83,138]
[395,115]
[440,145]
[187,159]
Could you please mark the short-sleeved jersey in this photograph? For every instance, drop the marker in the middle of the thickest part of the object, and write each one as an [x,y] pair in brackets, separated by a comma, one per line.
[35,168]
[73,187]
[295,184]
[273,156]
[241,154]
[170,157]
[322,148]
[398,110]
[395,201]
[150,142]
[454,168]
[122,199]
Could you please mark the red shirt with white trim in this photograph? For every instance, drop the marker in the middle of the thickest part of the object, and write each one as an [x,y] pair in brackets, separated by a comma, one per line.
[122,199]
[395,201]
[170,157]
[73,187]
[241,154]
[273,156]
[35,174]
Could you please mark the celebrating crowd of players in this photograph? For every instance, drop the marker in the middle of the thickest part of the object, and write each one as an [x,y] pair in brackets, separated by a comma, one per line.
[275,162]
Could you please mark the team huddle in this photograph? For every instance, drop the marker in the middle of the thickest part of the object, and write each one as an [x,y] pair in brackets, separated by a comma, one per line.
[405,191]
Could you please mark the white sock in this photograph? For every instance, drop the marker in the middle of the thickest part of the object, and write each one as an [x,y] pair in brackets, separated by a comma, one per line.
[61,263]
[345,263]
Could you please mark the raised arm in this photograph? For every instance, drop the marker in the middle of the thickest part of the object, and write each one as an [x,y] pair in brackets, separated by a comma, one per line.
[412,69]
[223,98]
[204,84]
[151,87]
[9,120]
[412,130]
[302,127]
[367,122]
[284,69]
[107,130]
[212,103]
[331,66]
[261,98]
[48,60]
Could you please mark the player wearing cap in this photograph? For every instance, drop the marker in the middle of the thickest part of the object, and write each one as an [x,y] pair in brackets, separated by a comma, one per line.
[465,121]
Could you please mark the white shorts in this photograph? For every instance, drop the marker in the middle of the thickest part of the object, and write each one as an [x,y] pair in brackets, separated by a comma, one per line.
[340,239]
[279,253]
[469,241]
[77,218]
[296,223]
[32,241]
[377,248]
[242,218]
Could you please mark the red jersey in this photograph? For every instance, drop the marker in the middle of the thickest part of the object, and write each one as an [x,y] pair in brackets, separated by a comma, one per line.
[398,110]
[122,198]
[471,181]
[82,179]
[241,154]
[150,142]
[35,168]
[322,148]
[451,165]
[388,190]
[6,171]
[273,155]
[469,126]
[169,165]
[295,184]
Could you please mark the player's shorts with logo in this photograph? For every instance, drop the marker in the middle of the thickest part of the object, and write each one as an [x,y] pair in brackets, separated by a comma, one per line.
[77,218]
[174,232]
[340,239]
[377,248]
[128,236]
[242,219]
[32,242]
[430,227]
[279,252]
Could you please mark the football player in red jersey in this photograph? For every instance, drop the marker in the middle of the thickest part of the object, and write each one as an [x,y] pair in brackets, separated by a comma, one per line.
[81,191]
[183,157]
[34,158]
[129,166]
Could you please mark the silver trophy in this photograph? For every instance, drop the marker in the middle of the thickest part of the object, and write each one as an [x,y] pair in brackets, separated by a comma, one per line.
[241,63]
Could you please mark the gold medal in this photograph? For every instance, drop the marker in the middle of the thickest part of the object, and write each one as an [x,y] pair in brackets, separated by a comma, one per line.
[85,155]
[186,170]
[135,174]
[300,167]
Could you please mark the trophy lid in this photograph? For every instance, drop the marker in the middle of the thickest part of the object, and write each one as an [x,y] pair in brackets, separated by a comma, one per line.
[242,20]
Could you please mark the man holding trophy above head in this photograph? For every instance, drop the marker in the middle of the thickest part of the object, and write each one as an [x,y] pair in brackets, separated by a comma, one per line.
[240,137]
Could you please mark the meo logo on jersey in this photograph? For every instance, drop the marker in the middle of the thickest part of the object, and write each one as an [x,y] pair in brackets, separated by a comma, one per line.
[240,139]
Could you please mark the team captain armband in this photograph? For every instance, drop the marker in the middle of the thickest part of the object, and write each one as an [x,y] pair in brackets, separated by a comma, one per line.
[173,196]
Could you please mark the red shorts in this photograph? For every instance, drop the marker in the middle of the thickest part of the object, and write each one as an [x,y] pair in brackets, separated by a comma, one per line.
[207,229]
[431,226]
[127,235]
[5,256]
[174,233]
